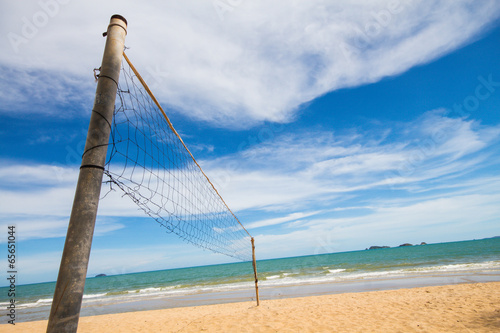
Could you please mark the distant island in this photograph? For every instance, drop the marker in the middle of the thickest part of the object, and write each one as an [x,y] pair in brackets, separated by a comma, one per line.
[100,275]
[376,247]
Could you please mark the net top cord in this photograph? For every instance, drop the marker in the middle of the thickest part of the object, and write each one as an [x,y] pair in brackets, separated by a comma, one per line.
[150,163]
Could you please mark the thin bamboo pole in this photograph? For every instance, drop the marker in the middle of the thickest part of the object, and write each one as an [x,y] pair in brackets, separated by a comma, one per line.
[67,302]
[255,272]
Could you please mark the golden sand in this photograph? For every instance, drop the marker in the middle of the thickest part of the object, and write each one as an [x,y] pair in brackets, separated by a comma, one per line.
[453,308]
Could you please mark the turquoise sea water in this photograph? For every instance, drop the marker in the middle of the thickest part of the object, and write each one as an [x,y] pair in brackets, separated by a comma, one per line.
[444,263]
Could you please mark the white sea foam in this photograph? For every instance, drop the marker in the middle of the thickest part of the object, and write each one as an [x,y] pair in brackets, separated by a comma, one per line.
[342,275]
[39,303]
[93,296]
[276,280]
[489,265]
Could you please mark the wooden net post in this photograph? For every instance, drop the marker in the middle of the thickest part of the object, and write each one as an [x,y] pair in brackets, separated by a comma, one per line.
[255,271]
[68,294]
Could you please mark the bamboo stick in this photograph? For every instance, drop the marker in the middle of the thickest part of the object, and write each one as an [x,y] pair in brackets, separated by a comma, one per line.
[255,272]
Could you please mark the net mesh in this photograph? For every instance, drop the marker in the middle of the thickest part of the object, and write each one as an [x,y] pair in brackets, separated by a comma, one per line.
[150,163]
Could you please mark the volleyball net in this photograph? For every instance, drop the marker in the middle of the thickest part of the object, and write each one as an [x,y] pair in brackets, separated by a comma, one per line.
[150,163]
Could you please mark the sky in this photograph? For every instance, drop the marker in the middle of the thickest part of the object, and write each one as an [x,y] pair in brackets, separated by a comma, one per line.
[326,126]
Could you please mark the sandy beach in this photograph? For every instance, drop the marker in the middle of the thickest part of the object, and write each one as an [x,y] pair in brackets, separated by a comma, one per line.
[452,308]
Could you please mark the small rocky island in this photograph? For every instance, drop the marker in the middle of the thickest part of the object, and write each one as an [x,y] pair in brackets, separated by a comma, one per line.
[408,244]
[375,247]
[100,275]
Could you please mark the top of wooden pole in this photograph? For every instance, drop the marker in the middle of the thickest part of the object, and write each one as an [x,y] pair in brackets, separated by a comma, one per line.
[119,17]
[117,20]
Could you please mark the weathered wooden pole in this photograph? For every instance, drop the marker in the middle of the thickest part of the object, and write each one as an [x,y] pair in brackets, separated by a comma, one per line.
[68,294]
[255,272]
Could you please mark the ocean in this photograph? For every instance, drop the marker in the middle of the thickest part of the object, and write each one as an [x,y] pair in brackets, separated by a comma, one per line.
[366,270]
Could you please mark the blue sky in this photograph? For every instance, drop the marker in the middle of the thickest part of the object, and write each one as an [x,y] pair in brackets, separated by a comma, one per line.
[326,126]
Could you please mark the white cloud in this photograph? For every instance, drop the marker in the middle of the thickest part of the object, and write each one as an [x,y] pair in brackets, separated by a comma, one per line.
[294,171]
[34,226]
[446,218]
[55,201]
[40,91]
[38,200]
[265,189]
[150,257]
[292,175]
[37,267]
[256,61]
[279,220]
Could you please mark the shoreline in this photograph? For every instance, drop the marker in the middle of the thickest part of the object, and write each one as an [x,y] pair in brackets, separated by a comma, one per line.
[93,307]
[333,273]
[295,291]
[460,307]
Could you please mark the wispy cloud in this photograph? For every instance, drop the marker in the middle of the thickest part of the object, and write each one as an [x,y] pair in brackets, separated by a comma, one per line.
[38,200]
[34,226]
[44,91]
[294,170]
[308,194]
[445,218]
[294,177]
[279,220]
[118,260]
[251,62]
